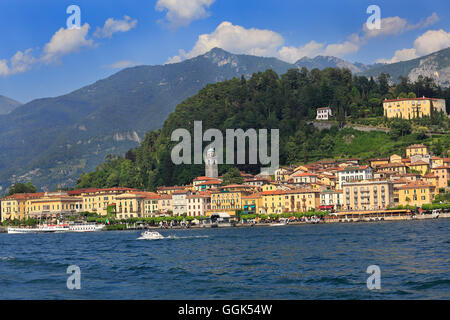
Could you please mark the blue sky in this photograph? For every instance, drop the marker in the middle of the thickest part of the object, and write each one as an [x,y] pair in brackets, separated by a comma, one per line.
[40,57]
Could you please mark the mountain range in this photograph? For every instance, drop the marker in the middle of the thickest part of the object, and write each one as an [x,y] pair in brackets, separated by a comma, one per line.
[435,65]
[53,140]
[7,105]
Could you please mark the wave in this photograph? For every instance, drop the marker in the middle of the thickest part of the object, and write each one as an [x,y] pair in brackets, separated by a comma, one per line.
[7,258]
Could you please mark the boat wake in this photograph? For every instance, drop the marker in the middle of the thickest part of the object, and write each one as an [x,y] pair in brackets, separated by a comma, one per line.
[174,238]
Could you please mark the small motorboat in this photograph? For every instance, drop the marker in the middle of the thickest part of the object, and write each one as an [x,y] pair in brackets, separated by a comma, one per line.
[151,235]
[283,222]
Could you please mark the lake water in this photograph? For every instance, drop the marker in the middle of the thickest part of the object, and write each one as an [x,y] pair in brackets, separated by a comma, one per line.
[294,262]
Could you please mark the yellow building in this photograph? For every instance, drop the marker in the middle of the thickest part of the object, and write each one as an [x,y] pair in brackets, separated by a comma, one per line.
[395,158]
[378,161]
[437,162]
[420,166]
[171,190]
[273,202]
[98,200]
[52,204]
[16,206]
[252,203]
[416,149]
[412,108]
[396,167]
[130,205]
[229,197]
[299,200]
[283,174]
[368,195]
[151,204]
[416,194]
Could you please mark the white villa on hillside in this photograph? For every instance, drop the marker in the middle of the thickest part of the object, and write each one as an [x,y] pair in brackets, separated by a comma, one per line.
[324,113]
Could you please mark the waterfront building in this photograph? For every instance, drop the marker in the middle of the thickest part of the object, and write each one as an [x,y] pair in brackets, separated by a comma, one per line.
[98,200]
[354,173]
[179,202]
[16,206]
[331,200]
[412,108]
[165,204]
[130,205]
[297,200]
[301,200]
[229,197]
[416,194]
[151,204]
[198,204]
[273,202]
[368,195]
[252,203]
[53,204]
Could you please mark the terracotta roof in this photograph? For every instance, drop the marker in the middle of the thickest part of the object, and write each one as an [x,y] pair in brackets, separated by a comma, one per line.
[416,185]
[24,196]
[305,174]
[391,165]
[416,146]
[204,178]
[441,167]
[210,182]
[420,163]
[353,168]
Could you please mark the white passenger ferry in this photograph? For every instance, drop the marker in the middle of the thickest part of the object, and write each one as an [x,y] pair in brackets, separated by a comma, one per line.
[45,228]
[89,227]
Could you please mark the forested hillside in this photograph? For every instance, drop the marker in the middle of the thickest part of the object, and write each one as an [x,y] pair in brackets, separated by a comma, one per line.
[286,103]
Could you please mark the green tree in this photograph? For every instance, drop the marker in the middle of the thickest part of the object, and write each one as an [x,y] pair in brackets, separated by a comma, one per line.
[27,187]
[232,176]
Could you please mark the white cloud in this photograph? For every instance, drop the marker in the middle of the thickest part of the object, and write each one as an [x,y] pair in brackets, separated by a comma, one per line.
[112,26]
[236,39]
[18,63]
[181,13]
[121,64]
[389,26]
[401,55]
[66,41]
[293,54]
[396,26]
[429,42]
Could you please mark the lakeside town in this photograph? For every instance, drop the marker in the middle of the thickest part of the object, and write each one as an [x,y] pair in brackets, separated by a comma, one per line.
[401,186]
